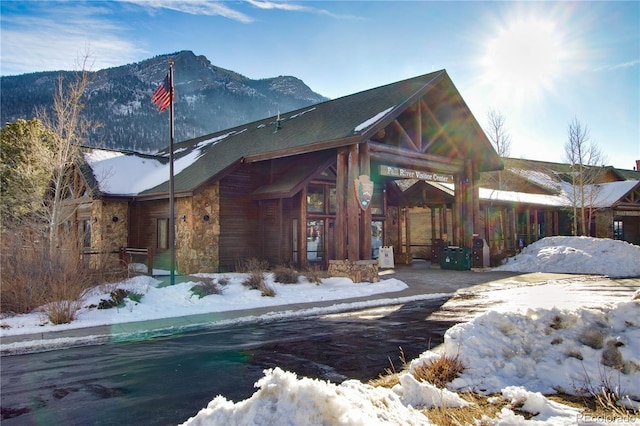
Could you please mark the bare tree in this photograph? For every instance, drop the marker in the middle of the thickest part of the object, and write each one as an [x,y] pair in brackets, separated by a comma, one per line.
[585,159]
[498,134]
[69,129]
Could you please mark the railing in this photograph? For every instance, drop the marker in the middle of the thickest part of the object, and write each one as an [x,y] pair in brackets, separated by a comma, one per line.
[125,255]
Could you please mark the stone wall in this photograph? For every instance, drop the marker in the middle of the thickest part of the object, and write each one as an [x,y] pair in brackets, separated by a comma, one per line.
[109,229]
[358,271]
[198,231]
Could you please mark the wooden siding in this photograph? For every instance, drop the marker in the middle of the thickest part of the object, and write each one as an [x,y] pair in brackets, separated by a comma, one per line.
[239,218]
[143,229]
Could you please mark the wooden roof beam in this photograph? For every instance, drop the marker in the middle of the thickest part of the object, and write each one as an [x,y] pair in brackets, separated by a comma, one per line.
[404,135]
[441,130]
[418,127]
[421,164]
[400,152]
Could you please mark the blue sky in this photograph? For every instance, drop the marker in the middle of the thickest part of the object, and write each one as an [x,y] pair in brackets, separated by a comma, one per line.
[540,64]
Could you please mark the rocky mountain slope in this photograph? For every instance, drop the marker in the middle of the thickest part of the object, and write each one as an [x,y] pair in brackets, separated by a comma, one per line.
[208,99]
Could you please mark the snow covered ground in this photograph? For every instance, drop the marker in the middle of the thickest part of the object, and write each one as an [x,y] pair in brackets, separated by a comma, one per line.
[519,350]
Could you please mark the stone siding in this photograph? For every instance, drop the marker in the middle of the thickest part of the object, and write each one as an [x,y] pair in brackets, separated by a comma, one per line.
[198,231]
[109,229]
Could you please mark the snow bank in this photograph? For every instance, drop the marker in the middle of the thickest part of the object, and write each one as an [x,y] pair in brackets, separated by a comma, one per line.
[285,399]
[577,255]
[550,350]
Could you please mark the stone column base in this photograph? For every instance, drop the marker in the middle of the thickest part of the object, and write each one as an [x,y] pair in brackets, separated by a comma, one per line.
[358,271]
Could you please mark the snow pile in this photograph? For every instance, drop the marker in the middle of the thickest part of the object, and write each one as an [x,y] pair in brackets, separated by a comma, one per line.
[550,350]
[577,255]
[520,356]
[285,399]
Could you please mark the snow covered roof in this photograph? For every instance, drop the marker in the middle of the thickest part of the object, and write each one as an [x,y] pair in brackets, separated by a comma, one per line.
[605,195]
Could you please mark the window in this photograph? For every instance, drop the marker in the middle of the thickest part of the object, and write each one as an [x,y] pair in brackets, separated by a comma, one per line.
[315,199]
[376,237]
[617,230]
[86,233]
[315,240]
[377,203]
[163,233]
[333,200]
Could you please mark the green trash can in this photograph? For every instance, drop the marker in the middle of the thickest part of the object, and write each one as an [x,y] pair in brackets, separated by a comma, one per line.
[455,258]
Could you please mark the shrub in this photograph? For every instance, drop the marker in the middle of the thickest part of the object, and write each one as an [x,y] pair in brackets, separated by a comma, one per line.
[255,281]
[285,275]
[252,265]
[33,277]
[135,297]
[207,288]
[439,371]
[315,274]
[116,300]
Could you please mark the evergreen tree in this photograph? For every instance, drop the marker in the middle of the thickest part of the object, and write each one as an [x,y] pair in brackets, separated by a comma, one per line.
[25,173]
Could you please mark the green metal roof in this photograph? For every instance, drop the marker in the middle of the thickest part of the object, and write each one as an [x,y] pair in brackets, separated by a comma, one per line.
[328,125]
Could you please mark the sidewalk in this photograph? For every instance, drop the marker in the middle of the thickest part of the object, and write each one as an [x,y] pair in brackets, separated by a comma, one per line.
[420,278]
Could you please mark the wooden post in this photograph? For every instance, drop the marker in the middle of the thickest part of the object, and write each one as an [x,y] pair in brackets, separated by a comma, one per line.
[365,215]
[340,233]
[353,207]
[302,238]
[458,209]
[527,219]
[444,223]
[471,212]
[513,220]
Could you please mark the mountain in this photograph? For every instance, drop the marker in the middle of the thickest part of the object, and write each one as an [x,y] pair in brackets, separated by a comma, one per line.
[208,99]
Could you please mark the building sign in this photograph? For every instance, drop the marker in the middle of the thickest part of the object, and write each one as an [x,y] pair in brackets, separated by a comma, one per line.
[414,174]
[364,191]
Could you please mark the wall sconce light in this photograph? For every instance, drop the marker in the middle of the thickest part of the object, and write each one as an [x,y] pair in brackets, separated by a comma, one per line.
[115,219]
[206,218]
[184,217]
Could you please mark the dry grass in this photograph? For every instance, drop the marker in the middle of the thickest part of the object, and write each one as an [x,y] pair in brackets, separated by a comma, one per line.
[208,287]
[285,275]
[255,281]
[439,371]
[252,265]
[35,278]
[315,274]
[475,414]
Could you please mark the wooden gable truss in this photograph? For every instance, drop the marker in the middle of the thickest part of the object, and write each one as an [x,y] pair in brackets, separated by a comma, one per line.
[630,201]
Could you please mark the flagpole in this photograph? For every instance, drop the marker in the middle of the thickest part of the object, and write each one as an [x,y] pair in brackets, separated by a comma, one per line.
[172,208]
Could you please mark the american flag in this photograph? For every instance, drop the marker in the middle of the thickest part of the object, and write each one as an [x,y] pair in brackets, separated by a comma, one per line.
[163,95]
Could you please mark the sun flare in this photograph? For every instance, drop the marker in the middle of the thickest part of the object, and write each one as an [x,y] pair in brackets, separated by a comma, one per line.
[523,60]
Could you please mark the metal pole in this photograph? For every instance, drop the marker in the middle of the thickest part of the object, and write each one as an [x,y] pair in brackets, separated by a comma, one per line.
[172,224]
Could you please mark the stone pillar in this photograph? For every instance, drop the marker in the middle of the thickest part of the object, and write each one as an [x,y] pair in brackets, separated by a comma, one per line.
[198,231]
